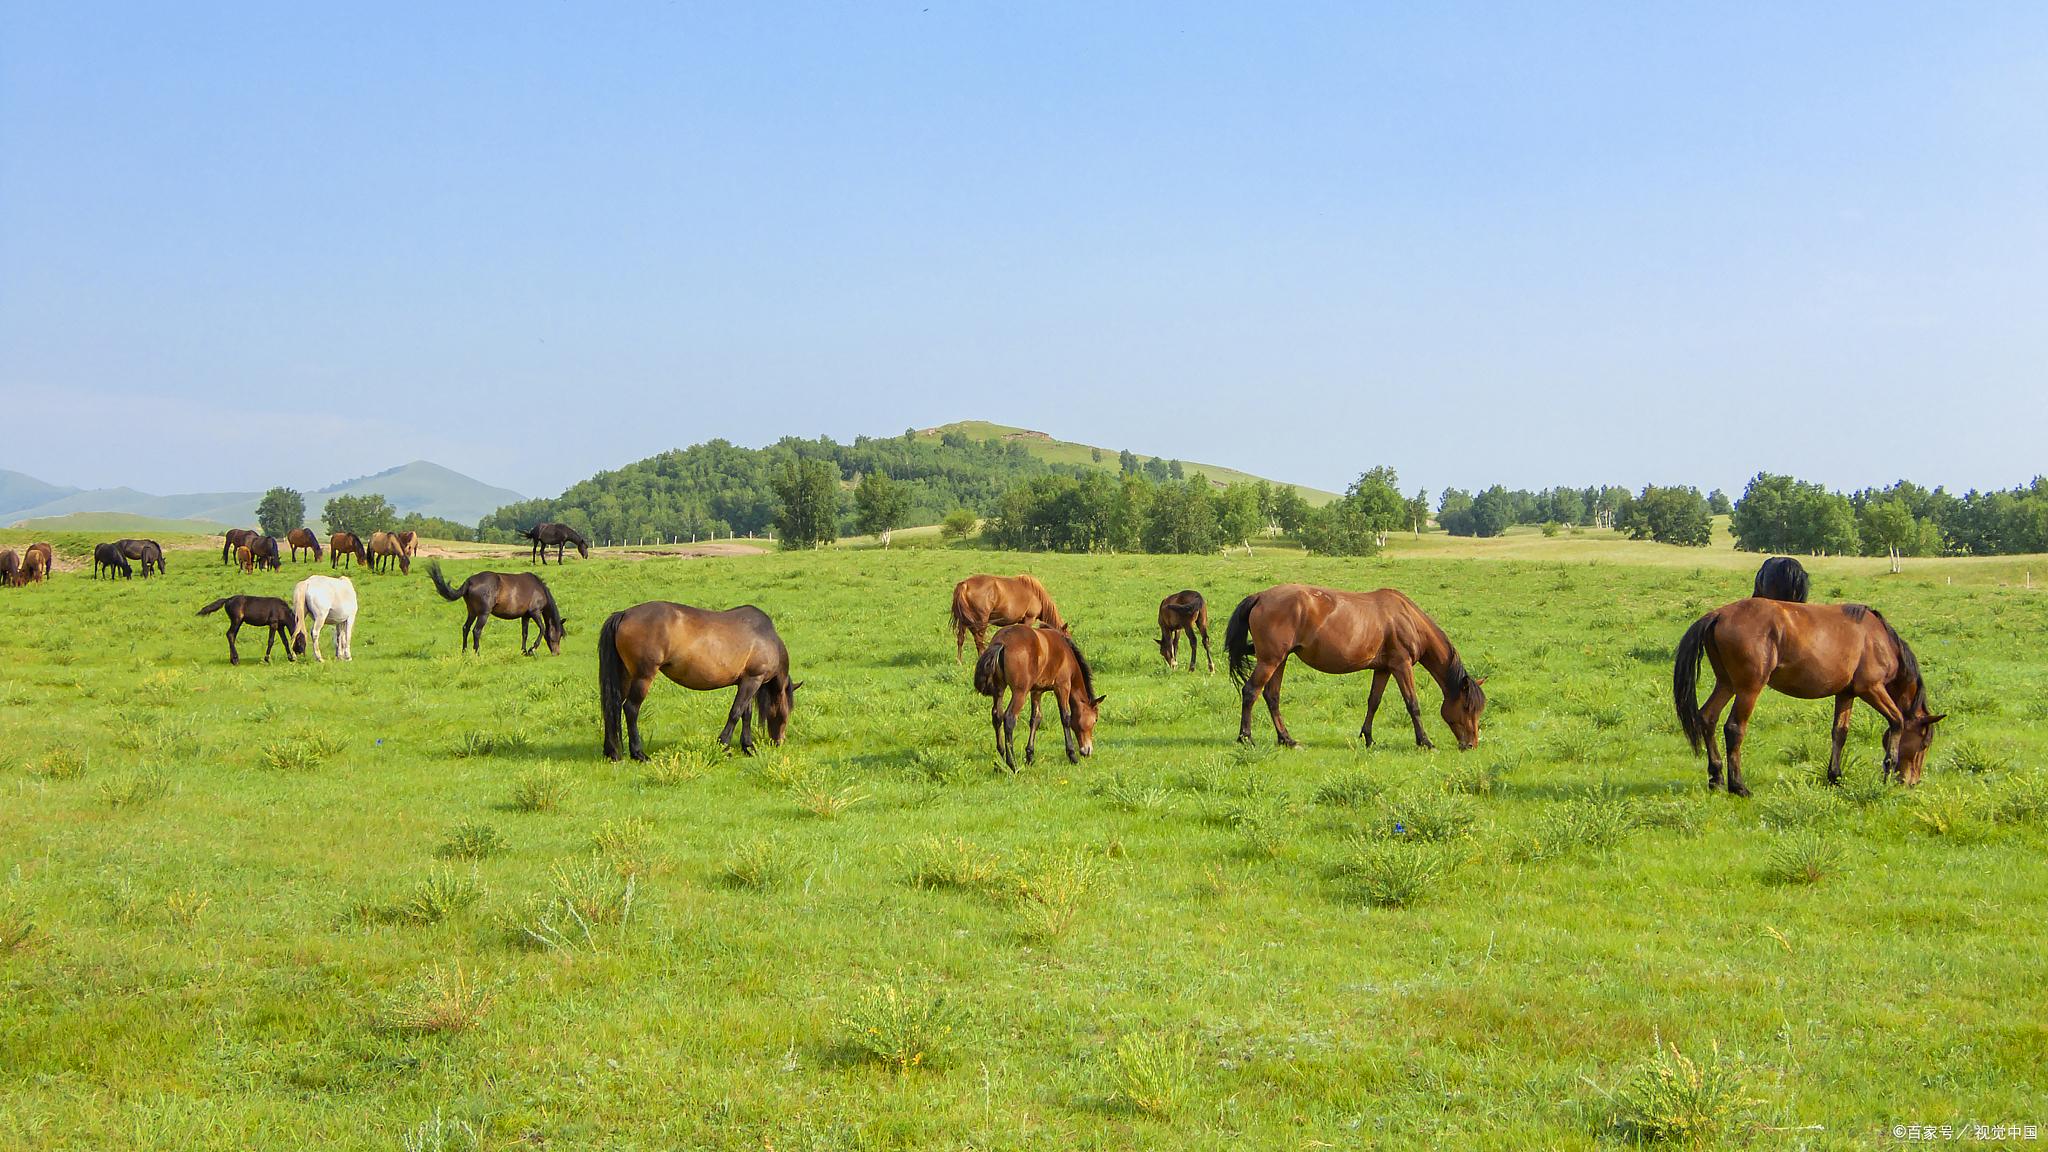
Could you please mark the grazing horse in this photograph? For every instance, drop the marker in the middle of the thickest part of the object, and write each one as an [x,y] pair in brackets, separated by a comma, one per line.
[317,600]
[149,552]
[1031,662]
[108,557]
[264,612]
[981,601]
[346,544]
[1781,578]
[263,550]
[10,568]
[303,538]
[386,547]
[1806,651]
[244,558]
[1338,631]
[702,650]
[49,557]
[520,596]
[1184,612]
[556,536]
[233,539]
[32,567]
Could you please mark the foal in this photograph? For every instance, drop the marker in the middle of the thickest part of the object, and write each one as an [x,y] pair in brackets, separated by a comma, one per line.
[1031,662]
[264,612]
[1184,612]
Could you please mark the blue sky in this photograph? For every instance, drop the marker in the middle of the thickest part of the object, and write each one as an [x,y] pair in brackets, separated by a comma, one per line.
[1526,244]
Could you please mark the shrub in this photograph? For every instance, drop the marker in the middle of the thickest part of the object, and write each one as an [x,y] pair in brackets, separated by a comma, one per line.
[471,840]
[1150,1072]
[675,766]
[1051,893]
[541,789]
[901,1027]
[1672,1099]
[1803,857]
[1391,873]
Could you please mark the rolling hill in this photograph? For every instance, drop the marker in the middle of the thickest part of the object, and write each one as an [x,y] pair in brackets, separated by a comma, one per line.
[1044,447]
[420,486]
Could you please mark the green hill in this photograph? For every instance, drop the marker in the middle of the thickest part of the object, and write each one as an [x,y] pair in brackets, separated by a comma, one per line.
[119,524]
[1043,447]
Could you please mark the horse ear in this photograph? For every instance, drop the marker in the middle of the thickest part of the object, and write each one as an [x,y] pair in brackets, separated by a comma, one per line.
[1479,680]
[1099,699]
[794,686]
[1936,719]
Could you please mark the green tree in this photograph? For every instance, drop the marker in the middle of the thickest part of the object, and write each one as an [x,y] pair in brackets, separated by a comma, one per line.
[1676,515]
[1418,510]
[808,515]
[1290,511]
[280,511]
[1717,503]
[1182,519]
[1127,462]
[360,515]
[959,524]
[1237,514]
[880,504]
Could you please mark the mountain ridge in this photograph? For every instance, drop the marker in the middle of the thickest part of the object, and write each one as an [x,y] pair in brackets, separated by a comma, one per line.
[418,486]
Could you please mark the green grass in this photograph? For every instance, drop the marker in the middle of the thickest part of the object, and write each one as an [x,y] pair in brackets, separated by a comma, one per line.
[450,915]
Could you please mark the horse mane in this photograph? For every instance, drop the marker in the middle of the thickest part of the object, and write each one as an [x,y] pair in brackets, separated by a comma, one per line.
[548,598]
[1087,673]
[1909,664]
[1455,674]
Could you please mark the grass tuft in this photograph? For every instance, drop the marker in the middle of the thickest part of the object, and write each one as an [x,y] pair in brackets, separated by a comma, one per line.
[445,1000]
[1803,857]
[471,840]
[442,894]
[1672,1099]
[135,789]
[1151,1072]
[675,766]
[953,862]
[901,1026]
[760,864]
[541,789]
[1050,894]
[1391,873]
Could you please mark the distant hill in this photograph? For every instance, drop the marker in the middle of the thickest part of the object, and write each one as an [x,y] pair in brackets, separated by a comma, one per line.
[420,486]
[423,487]
[1044,447]
[119,524]
[19,491]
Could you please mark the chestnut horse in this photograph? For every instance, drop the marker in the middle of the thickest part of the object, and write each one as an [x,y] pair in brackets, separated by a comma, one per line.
[1806,651]
[33,566]
[303,538]
[980,601]
[1031,662]
[234,538]
[1781,578]
[520,596]
[558,537]
[701,650]
[244,558]
[346,544]
[49,559]
[1338,631]
[264,612]
[386,547]
[1184,612]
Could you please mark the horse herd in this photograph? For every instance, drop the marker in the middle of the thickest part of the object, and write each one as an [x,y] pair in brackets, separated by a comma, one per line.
[249,550]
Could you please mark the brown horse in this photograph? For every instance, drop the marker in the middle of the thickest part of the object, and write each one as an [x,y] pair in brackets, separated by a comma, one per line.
[234,538]
[148,552]
[49,559]
[32,567]
[981,601]
[264,551]
[1337,631]
[701,650]
[10,568]
[520,596]
[1031,662]
[346,544]
[303,538]
[264,612]
[386,547]
[1184,612]
[244,558]
[1806,651]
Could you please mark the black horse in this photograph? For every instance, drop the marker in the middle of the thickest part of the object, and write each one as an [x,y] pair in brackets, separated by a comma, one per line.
[1781,578]
[520,596]
[263,549]
[264,612]
[108,557]
[148,552]
[558,537]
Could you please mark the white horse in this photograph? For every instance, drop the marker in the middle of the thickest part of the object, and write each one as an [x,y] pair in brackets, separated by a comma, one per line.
[318,599]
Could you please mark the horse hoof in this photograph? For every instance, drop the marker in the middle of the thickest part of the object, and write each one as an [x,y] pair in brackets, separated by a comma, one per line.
[1740,790]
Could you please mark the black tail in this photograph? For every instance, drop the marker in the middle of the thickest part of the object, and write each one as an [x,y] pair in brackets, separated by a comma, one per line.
[441,584]
[988,671]
[216,606]
[1685,680]
[1237,640]
[611,682]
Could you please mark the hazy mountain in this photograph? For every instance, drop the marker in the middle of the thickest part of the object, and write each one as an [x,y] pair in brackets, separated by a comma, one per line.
[420,486]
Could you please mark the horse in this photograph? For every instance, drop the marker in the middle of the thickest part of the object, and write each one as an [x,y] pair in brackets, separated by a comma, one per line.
[384,548]
[345,544]
[520,596]
[702,650]
[982,600]
[10,568]
[1184,612]
[108,557]
[1806,651]
[1338,631]
[263,550]
[299,538]
[557,536]
[31,568]
[1781,578]
[264,612]
[317,600]
[1030,662]
[149,552]
[234,538]
[49,559]
[244,558]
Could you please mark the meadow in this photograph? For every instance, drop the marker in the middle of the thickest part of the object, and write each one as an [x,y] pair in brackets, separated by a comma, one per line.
[405,903]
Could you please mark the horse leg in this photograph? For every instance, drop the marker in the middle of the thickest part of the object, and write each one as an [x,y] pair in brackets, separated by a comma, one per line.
[1009,734]
[234,656]
[1209,659]
[1895,724]
[1845,707]
[523,622]
[1272,695]
[476,636]
[1253,686]
[1069,723]
[995,721]
[270,639]
[1404,679]
[636,693]
[343,633]
[1710,714]
[1031,738]
[744,699]
[317,657]
[1372,705]
[1736,728]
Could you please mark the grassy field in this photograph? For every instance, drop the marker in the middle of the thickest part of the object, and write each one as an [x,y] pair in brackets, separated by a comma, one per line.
[403,903]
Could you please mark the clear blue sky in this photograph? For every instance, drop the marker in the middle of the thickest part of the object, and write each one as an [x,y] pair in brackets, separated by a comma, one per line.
[1518,243]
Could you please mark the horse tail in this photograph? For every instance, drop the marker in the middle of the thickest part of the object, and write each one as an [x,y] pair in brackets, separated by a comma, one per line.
[1685,679]
[611,682]
[960,623]
[298,609]
[441,583]
[216,606]
[1237,640]
[988,671]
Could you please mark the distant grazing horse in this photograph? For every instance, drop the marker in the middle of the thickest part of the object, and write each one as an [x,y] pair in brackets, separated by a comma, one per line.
[386,547]
[982,601]
[520,596]
[234,538]
[244,558]
[31,568]
[1338,631]
[10,568]
[1031,662]
[699,649]
[317,600]
[108,557]
[49,558]
[1781,578]
[263,549]
[1806,651]
[1184,612]
[264,612]
[299,538]
[558,537]
[149,552]
[346,544]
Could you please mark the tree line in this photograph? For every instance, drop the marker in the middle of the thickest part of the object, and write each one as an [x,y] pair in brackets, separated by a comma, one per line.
[1783,514]
[282,509]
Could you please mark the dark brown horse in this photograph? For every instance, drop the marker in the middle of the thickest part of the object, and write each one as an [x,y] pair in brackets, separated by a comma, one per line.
[520,596]
[1781,578]
[264,550]
[10,568]
[1184,612]
[108,557]
[299,538]
[982,601]
[234,538]
[1337,631]
[1806,651]
[557,536]
[49,559]
[31,568]
[1030,662]
[701,650]
[386,547]
[346,544]
[148,552]
[264,612]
